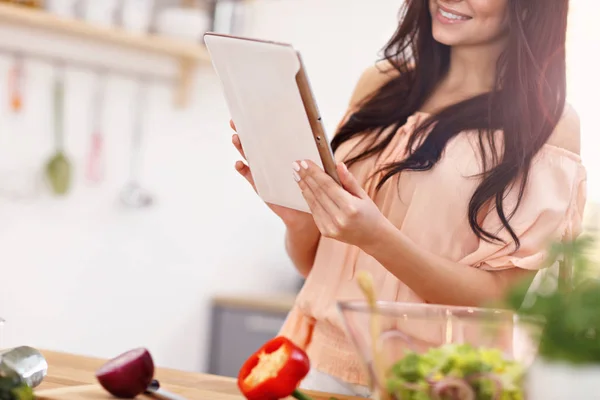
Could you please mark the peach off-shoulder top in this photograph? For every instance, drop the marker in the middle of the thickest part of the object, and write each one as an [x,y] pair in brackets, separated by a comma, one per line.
[430,208]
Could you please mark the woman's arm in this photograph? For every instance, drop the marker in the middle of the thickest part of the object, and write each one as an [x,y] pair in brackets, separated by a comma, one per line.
[436,279]
[302,240]
[348,214]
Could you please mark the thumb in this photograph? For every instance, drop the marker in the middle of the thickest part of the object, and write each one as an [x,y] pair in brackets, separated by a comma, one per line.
[349,182]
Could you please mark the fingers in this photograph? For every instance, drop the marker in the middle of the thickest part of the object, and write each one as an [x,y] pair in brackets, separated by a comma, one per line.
[326,199]
[244,170]
[235,139]
[349,182]
[326,202]
[317,190]
[240,166]
[325,188]
[320,216]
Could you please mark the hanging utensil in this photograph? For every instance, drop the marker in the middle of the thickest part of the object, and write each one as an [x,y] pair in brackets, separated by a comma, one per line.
[95,164]
[133,195]
[15,84]
[19,179]
[58,168]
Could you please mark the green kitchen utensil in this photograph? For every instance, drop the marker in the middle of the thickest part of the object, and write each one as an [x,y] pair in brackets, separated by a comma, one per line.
[58,168]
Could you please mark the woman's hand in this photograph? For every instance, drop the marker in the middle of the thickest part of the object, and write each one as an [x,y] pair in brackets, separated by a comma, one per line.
[293,219]
[343,213]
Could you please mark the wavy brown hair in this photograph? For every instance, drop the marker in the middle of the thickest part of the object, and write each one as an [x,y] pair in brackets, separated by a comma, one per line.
[526,104]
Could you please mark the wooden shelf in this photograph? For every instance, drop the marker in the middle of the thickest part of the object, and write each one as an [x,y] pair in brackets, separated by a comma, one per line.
[188,54]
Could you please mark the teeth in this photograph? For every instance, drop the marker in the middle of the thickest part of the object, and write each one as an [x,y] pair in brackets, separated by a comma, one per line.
[452,16]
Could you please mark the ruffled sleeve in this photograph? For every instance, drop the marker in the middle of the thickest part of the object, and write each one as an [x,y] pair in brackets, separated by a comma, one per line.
[551,210]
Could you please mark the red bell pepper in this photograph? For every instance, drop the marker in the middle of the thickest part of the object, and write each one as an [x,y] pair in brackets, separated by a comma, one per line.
[274,372]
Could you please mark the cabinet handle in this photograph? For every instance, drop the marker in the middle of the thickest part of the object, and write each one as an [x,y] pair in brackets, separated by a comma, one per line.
[263,324]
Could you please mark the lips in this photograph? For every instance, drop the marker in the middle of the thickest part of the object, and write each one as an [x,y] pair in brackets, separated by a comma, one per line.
[452,15]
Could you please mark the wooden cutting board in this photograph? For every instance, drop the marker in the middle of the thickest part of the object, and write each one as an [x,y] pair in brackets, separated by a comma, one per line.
[95,392]
[71,377]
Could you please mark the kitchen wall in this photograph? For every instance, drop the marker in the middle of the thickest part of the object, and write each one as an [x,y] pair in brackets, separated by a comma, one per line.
[83,274]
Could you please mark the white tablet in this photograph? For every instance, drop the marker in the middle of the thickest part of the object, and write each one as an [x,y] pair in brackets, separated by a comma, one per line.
[273,108]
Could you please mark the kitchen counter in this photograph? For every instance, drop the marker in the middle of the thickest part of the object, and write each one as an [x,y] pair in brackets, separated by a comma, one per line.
[71,377]
[274,303]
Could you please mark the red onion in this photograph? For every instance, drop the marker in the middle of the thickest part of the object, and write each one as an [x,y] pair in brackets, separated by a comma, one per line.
[459,388]
[128,374]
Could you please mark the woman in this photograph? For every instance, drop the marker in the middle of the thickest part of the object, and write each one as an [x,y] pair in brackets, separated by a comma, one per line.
[460,163]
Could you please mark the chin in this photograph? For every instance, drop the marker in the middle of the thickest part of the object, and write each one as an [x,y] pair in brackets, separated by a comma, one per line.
[447,38]
[452,29]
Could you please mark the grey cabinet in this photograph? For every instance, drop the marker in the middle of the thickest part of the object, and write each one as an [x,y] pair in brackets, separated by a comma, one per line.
[240,327]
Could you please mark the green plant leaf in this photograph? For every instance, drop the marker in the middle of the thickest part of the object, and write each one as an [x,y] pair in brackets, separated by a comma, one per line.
[571,312]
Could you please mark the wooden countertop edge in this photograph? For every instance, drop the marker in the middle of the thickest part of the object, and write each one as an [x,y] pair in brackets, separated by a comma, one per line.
[67,370]
[49,394]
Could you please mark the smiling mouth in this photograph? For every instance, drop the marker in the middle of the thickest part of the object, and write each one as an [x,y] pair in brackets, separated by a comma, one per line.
[452,15]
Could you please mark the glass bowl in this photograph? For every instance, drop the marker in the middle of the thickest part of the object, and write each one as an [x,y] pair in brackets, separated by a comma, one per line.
[431,351]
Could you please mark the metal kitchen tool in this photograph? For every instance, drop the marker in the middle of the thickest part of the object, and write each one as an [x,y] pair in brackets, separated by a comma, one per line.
[154,389]
[27,362]
[133,195]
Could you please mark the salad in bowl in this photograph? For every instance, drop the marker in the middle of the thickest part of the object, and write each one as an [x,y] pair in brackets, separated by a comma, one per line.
[432,352]
[456,371]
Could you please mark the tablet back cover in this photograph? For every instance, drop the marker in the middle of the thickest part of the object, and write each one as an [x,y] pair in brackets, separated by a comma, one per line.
[261,91]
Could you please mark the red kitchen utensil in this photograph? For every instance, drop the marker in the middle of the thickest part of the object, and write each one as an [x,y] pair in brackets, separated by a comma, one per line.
[15,85]
[95,162]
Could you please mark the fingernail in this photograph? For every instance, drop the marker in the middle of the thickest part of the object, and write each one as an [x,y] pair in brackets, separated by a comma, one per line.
[296,176]
[295,166]
[304,164]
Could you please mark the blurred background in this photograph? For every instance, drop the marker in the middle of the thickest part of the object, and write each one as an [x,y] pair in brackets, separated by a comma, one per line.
[122,220]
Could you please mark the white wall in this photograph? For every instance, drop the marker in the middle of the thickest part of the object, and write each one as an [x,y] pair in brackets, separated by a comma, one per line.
[338,39]
[583,44]
[81,274]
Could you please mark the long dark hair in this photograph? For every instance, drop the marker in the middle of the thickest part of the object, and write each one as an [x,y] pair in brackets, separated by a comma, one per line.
[526,104]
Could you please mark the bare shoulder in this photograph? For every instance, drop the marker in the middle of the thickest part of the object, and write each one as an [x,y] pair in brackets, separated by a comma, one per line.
[567,133]
[371,80]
